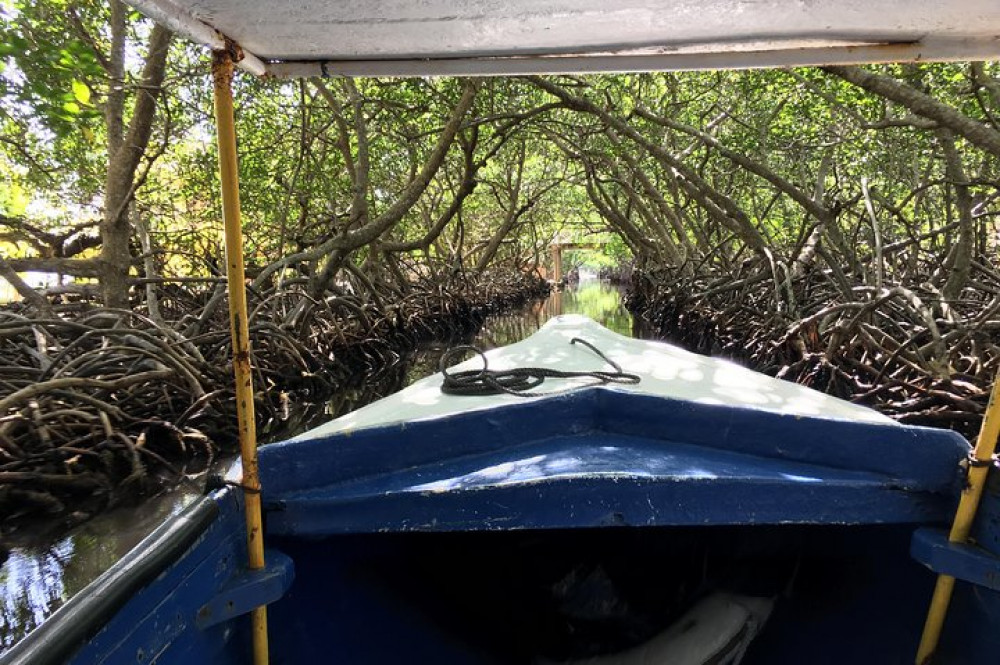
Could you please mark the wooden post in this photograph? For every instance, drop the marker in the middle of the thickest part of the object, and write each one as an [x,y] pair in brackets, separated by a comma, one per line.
[556,262]
[222,73]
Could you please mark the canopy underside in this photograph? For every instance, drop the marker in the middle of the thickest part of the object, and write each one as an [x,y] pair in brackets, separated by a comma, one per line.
[486,37]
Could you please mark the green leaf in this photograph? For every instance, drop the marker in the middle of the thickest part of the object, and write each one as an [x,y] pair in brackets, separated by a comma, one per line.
[71,107]
[13,44]
[81,92]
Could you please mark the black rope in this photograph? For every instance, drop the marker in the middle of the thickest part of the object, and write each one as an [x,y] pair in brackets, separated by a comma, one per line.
[520,380]
[216,481]
[975,462]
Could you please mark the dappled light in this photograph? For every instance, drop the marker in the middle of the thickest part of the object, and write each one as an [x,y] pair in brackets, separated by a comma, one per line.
[665,370]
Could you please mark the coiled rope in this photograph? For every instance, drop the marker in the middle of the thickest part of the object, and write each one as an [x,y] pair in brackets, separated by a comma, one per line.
[520,380]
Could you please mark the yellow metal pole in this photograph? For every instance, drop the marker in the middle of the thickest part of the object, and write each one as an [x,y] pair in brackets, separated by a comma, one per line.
[968,505]
[222,72]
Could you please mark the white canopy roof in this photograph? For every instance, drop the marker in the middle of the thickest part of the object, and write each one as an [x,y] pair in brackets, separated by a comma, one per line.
[483,37]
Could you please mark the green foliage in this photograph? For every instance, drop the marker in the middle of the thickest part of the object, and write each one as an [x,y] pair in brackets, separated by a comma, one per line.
[48,112]
[47,65]
[14,197]
[546,172]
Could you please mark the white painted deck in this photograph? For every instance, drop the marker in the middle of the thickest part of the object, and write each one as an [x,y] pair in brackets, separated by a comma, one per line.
[666,370]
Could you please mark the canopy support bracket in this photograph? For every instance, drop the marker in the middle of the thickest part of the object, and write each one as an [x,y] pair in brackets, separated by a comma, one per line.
[967,563]
[249,589]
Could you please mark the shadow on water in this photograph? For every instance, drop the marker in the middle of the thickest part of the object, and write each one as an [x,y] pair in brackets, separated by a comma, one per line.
[36,580]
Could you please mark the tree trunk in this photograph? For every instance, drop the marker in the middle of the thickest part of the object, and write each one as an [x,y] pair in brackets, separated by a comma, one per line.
[120,181]
[960,257]
[374,228]
[149,265]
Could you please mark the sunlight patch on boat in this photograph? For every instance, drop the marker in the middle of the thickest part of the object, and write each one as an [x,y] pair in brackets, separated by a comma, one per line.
[564,465]
[801,479]
[665,370]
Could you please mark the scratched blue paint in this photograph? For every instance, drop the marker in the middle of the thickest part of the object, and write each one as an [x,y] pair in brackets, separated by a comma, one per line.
[160,624]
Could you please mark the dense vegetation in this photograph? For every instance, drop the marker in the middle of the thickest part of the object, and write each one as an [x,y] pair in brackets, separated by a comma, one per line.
[832,226]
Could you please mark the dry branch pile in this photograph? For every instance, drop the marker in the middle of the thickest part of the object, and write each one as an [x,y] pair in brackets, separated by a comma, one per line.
[898,348]
[100,405]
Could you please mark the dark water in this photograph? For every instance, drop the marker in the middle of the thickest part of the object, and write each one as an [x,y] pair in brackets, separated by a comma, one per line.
[36,580]
[594,298]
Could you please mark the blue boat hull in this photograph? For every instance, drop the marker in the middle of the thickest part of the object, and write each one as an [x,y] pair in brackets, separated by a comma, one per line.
[552,531]
[845,594]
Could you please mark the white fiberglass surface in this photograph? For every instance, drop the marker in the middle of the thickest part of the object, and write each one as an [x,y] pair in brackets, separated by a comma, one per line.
[400,29]
[665,370]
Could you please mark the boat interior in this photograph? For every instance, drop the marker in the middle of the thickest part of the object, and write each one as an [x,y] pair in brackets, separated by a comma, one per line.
[835,593]
[840,593]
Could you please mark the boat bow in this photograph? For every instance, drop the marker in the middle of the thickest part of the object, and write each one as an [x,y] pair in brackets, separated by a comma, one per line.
[698,441]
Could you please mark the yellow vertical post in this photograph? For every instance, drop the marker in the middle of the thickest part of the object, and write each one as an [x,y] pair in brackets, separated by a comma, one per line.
[967,506]
[222,73]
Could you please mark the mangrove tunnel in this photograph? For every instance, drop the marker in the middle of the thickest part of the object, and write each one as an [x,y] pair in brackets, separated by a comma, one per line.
[836,227]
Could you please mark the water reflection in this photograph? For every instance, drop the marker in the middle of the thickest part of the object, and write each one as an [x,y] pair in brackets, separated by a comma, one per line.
[32,584]
[35,581]
[595,298]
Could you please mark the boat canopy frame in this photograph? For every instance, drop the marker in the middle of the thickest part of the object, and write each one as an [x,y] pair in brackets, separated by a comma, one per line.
[372,38]
[303,38]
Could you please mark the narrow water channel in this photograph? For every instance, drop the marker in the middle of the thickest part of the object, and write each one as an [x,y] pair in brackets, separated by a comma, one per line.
[36,580]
